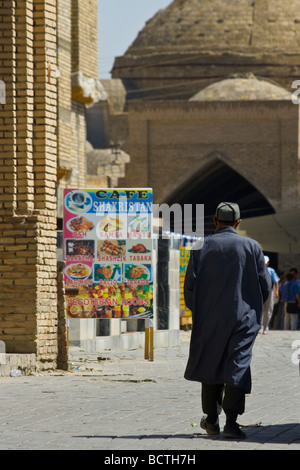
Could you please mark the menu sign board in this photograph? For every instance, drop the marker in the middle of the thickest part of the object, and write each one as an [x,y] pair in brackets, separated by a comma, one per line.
[108,253]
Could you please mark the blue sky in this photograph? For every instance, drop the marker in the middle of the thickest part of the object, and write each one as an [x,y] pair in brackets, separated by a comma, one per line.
[119,23]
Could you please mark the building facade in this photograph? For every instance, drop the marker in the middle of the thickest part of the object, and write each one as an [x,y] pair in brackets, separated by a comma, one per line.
[242,135]
[49,68]
[209,99]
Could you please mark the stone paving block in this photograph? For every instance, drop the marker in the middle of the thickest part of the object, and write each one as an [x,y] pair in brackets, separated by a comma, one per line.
[123,411]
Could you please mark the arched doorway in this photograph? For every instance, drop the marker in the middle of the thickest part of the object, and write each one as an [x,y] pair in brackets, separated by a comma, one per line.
[217,183]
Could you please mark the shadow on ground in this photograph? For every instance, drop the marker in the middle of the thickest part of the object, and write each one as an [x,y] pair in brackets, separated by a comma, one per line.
[278,433]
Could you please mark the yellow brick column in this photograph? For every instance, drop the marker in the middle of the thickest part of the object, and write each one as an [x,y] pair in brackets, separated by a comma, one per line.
[28,294]
[24,105]
[45,167]
[8,110]
[18,261]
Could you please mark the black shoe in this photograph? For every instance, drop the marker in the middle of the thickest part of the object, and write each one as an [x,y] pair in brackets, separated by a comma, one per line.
[233,431]
[211,429]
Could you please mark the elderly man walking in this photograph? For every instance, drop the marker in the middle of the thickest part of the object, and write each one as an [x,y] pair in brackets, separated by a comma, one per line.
[226,285]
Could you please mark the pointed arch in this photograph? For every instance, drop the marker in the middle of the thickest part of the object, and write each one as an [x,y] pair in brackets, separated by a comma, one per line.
[216,182]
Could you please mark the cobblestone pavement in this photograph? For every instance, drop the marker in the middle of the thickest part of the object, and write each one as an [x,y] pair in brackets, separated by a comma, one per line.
[120,402]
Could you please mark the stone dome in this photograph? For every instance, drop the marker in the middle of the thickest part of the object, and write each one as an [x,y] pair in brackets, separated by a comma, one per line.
[222,24]
[239,88]
[191,44]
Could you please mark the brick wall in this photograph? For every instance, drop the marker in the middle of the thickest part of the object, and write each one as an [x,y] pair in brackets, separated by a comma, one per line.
[77,144]
[77,52]
[71,122]
[28,152]
[64,48]
[170,142]
[84,37]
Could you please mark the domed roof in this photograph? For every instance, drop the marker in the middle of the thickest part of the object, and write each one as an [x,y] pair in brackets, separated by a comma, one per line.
[193,43]
[242,88]
[222,25]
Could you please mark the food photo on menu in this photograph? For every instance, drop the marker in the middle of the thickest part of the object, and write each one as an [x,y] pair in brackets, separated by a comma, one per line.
[137,273]
[98,290]
[80,225]
[107,272]
[111,301]
[80,250]
[139,250]
[111,250]
[111,226]
[78,273]
[139,226]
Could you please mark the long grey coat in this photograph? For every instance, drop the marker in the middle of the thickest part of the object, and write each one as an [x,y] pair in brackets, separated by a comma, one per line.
[225,287]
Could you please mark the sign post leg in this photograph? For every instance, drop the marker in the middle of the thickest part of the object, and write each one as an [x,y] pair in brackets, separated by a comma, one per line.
[147,333]
[149,340]
[151,343]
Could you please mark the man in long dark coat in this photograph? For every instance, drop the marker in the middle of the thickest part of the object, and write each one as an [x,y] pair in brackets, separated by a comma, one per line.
[225,287]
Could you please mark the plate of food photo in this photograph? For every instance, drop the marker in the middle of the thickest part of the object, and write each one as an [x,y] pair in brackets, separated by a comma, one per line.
[83,248]
[137,271]
[106,272]
[110,223]
[78,271]
[139,248]
[80,225]
[139,224]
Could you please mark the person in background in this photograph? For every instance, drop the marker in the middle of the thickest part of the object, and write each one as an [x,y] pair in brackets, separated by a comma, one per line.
[294,271]
[277,320]
[291,299]
[273,296]
[225,286]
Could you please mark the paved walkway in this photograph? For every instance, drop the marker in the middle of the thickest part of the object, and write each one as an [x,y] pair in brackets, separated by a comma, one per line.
[120,402]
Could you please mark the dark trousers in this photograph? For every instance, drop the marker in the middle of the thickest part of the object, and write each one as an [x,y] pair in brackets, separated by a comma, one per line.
[219,396]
